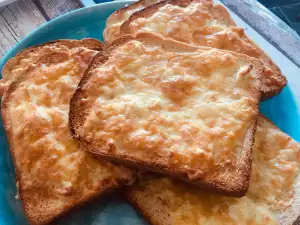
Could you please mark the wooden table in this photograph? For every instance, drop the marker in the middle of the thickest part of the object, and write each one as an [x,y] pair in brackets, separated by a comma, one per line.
[21,17]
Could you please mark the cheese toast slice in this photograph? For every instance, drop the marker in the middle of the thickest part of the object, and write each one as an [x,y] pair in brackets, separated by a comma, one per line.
[53,173]
[272,198]
[173,108]
[115,20]
[33,56]
[200,23]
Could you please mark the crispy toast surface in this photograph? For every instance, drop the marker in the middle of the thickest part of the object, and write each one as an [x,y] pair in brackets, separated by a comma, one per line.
[159,104]
[115,20]
[200,23]
[54,174]
[273,196]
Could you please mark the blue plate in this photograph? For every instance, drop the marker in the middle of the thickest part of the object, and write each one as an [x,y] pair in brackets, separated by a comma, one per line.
[92,2]
[90,22]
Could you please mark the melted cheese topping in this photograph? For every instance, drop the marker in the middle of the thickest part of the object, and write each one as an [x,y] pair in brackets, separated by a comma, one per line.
[276,161]
[196,24]
[191,108]
[202,24]
[45,153]
[114,22]
[19,65]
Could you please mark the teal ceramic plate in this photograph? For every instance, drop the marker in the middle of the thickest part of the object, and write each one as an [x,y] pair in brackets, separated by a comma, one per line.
[90,22]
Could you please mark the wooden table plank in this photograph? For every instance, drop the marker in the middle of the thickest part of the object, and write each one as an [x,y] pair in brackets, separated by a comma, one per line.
[16,21]
[20,18]
[55,8]
[6,38]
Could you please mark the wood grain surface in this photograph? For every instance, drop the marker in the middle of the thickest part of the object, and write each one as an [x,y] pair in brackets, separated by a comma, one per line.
[23,16]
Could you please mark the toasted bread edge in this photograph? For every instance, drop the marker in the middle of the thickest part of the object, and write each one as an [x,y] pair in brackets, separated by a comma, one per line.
[152,209]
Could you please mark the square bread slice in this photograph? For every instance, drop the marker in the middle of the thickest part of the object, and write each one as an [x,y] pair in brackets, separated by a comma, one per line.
[53,173]
[273,196]
[173,108]
[201,23]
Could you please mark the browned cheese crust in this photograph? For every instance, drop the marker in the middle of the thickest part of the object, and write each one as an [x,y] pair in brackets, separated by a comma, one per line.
[273,196]
[47,188]
[229,37]
[227,180]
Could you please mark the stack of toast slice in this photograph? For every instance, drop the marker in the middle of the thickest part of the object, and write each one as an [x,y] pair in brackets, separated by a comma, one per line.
[173,94]
[54,173]
[273,196]
[196,22]
[203,24]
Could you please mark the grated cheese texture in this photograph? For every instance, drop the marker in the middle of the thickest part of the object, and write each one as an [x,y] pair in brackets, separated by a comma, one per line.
[49,161]
[202,24]
[276,161]
[191,108]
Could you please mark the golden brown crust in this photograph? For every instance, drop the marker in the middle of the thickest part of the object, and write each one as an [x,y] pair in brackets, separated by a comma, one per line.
[40,206]
[224,183]
[274,80]
[154,209]
[38,212]
[148,207]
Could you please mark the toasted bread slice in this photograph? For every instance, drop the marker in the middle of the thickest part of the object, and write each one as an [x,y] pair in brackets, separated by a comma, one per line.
[173,108]
[273,196]
[53,173]
[200,23]
[115,20]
